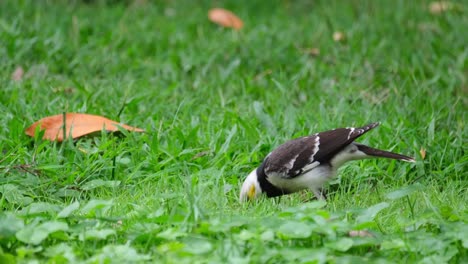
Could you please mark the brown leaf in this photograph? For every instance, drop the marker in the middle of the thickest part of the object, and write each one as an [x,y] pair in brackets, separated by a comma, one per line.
[225,18]
[422,151]
[338,36]
[262,74]
[360,233]
[201,154]
[312,51]
[77,125]
[309,51]
[17,75]
[439,7]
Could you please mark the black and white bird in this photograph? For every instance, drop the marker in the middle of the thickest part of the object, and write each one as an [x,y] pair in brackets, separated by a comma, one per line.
[309,162]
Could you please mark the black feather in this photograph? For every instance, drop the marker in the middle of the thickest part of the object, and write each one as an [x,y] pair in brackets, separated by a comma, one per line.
[267,187]
[333,141]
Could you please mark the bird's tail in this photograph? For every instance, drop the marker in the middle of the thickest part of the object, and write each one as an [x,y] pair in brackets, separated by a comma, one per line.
[382,153]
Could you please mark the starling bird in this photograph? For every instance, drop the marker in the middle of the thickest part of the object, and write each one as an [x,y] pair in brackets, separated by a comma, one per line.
[309,162]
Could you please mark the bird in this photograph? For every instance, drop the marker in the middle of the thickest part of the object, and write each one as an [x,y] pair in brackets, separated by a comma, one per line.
[309,162]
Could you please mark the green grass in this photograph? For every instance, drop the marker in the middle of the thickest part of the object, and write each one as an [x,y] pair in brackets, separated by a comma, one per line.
[214,102]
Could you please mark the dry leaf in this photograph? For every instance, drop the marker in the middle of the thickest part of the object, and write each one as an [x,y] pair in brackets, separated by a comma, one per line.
[440,6]
[17,75]
[313,51]
[225,18]
[77,125]
[262,74]
[422,151]
[360,233]
[201,154]
[338,36]
[310,51]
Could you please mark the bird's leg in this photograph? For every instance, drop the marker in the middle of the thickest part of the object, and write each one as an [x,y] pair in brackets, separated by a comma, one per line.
[318,192]
[277,199]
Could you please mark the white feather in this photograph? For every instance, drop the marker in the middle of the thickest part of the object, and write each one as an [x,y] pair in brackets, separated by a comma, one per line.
[351,152]
[250,181]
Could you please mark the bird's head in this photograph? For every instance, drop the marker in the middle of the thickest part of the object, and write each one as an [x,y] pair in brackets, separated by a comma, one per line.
[251,189]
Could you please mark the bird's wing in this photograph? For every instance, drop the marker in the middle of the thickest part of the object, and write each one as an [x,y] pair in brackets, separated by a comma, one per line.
[296,156]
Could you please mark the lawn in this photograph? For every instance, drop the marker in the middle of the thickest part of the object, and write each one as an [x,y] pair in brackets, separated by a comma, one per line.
[214,102]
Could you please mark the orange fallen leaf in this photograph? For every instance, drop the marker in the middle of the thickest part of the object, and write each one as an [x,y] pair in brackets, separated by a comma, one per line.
[17,75]
[225,18]
[422,151]
[77,125]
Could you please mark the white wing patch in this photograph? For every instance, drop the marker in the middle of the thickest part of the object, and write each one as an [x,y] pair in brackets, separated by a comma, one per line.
[351,130]
[316,148]
[290,164]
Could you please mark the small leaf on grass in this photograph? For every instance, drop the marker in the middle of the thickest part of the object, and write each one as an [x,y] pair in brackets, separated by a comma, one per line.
[6,258]
[61,250]
[171,234]
[68,192]
[41,208]
[302,255]
[94,206]
[370,213]
[227,142]
[225,18]
[99,183]
[227,188]
[68,210]
[245,235]
[118,254]
[123,160]
[14,195]
[9,224]
[77,125]
[35,234]
[172,246]
[431,131]
[294,230]
[343,244]
[402,192]
[457,230]
[264,117]
[23,251]
[156,214]
[95,234]
[267,236]
[392,244]
[197,246]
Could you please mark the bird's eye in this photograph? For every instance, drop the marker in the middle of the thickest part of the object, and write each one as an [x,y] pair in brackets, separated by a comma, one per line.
[251,193]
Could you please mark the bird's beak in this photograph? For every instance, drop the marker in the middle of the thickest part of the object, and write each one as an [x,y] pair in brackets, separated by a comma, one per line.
[251,193]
